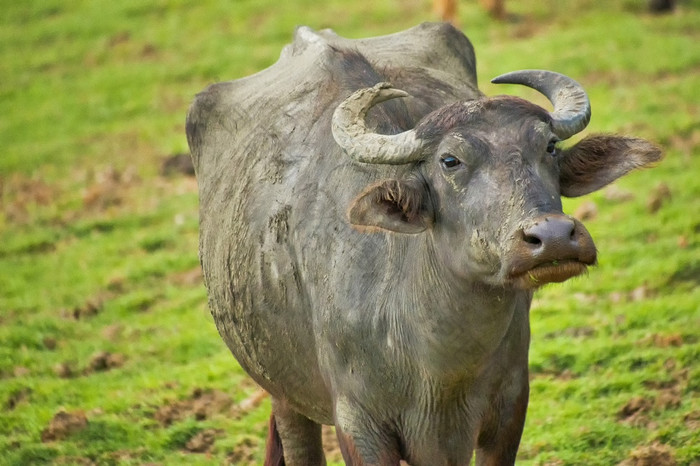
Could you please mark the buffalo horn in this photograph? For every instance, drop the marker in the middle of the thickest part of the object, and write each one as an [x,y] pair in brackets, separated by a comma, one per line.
[351,133]
[572,109]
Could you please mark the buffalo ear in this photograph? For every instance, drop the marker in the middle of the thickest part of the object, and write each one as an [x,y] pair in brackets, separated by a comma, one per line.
[601,159]
[392,205]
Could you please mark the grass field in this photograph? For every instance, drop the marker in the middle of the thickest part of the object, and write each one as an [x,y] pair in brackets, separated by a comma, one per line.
[108,354]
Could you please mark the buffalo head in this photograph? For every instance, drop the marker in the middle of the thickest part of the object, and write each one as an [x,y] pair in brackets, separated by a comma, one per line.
[488,178]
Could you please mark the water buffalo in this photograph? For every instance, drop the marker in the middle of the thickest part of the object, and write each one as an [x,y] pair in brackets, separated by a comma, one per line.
[372,264]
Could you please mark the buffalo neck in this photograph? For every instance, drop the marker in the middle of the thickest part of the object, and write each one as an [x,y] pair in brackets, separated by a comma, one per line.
[451,326]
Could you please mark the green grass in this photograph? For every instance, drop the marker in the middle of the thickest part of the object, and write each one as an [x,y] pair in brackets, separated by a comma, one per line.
[98,251]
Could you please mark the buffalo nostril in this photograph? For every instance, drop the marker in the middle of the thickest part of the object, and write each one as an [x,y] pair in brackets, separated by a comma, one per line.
[555,235]
[531,239]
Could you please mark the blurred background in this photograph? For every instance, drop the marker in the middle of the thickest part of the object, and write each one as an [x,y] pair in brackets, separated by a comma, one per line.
[108,354]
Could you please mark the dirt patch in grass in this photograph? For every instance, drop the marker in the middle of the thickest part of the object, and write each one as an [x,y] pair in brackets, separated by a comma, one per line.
[19,193]
[668,399]
[17,397]
[73,461]
[573,332]
[685,142]
[635,411]
[50,343]
[177,164]
[244,453]
[659,196]
[101,361]
[692,420]
[128,457]
[202,441]
[63,425]
[104,361]
[21,371]
[89,308]
[202,404]
[188,278]
[588,210]
[638,411]
[641,293]
[248,404]
[655,454]
[112,332]
[614,193]
[64,370]
[109,187]
[662,341]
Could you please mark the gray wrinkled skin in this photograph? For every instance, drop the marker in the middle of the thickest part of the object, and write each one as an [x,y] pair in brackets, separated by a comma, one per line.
[413,343]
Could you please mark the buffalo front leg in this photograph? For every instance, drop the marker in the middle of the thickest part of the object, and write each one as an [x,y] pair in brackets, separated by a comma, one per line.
[294,439]
[362,441]
[499,444]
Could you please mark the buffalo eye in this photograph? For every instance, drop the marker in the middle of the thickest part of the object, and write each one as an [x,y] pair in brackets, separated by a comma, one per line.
[450,161]
[552,147]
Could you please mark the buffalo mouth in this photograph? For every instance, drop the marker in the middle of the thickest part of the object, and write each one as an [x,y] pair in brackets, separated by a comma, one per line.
[551,272]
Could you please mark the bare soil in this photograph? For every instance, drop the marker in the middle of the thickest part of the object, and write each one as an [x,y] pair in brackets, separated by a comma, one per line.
[63,425]
[202,404]
[655,454]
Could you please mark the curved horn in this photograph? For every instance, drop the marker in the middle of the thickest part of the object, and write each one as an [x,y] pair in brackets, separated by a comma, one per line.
[351,133]
[572,109]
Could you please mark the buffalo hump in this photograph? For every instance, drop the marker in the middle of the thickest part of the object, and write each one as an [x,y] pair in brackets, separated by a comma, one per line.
[285,99]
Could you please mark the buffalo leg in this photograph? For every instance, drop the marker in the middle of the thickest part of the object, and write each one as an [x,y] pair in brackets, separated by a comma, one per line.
[300,437]
[501,446]
[368,454]
[362,440]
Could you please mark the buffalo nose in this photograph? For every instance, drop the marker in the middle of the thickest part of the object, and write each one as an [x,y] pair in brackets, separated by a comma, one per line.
[556,237]
[551,248]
